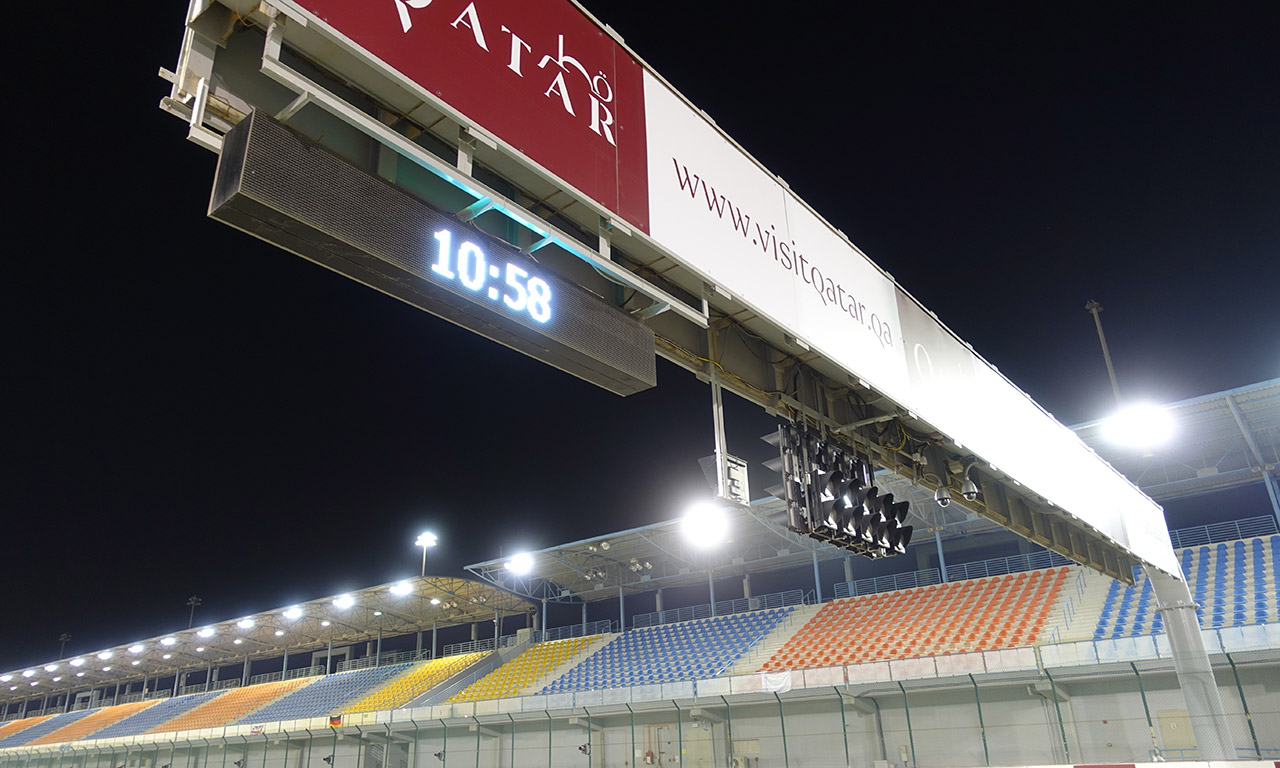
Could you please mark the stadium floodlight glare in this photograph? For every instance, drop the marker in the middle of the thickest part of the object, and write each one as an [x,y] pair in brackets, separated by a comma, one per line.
[34,683]
[136,649]
[136,662]
[377,613]
[77,662]
[14,687]
[107,668]
[167,656]
[57,679]
[279,633]
[5,678]
[79,674]
[28,673]
[200,649]
[50,667]
[245,623]
[425,540]
[435,601]
[325,623]
[168,641]
[343,601]
[104,655]
[704,525]
[521,564]
[206,633]
[237,641]
[293,612]
[1141,425]
[401,588]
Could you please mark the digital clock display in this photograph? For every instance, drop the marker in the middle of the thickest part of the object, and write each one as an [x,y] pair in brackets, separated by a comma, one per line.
[508,283]
[282,187]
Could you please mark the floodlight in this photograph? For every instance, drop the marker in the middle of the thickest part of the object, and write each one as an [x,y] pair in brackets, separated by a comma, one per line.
[279,633]
[435,601]
[136,662]
[168,641]
[426,539]
[200,649]
[207,632]
[704,525]
[167,656]
[325,623]
[1141,425]
[77,662]
[34,683]
[104,655]
[28,673]
[377,613]
[135,649]
[942,496]
[57,679]
[79,674]
[245,623]
[293,612]
[237,641]
[50,667]
[5,678]
[521,564]
[401,588]
[605,545]
[13,687]
[106,668]
[343,601]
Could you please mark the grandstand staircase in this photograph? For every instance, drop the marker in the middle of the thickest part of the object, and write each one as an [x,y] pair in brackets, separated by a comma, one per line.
[1086,607]
[758,654]
[582,655]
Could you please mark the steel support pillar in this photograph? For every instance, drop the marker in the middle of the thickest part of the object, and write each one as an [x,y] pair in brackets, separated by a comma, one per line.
[622,611]
[1191,663]
[817,582]
[942,560]
[711,590]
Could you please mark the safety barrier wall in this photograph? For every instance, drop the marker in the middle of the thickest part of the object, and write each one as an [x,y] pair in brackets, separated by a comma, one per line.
[1116,714]
[722,608]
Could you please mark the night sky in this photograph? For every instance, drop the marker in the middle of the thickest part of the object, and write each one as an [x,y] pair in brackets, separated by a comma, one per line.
[190,411]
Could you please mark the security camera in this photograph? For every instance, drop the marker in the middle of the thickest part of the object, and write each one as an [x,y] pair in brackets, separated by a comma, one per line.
[439,755]
[584,749]
[969,490]
[943,497]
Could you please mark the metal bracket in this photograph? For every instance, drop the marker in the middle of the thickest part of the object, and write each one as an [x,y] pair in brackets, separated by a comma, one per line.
[196,131]
[475,209]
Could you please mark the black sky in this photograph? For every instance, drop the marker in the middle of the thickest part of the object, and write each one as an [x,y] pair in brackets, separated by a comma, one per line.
[190,411]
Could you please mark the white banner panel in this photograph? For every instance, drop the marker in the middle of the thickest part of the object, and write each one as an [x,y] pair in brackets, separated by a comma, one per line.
[727,219]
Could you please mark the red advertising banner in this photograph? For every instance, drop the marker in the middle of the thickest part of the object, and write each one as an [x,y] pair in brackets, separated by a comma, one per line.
[540,76]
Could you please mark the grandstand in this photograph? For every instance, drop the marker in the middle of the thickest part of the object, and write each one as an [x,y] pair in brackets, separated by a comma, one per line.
[987,625]
[528,668]
[415,683]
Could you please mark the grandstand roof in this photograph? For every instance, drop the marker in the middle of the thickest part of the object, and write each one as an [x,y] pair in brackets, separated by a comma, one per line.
[270,633]
[658,555]
[1223,440]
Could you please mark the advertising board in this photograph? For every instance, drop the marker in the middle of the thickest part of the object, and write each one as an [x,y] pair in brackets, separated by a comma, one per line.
[548,82]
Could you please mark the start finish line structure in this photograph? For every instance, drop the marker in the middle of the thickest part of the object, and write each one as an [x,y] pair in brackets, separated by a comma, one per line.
[514,168]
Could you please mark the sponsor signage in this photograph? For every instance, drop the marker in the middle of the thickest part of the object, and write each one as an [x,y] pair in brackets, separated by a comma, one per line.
[546,80]
[540,76]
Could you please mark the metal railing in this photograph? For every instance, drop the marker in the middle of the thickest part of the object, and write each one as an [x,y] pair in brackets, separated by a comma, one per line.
[384,660]
[312,671]
[218,685]
[266,677]
[722,608]
[471,646]
[888,583]
[573,630]
[1199,535]
[193,688]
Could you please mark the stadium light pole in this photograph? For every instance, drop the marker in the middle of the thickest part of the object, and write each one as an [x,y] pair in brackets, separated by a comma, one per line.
[192,601]
[426,539]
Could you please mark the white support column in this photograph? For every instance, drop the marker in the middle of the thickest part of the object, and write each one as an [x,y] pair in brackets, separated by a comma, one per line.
[1191,663]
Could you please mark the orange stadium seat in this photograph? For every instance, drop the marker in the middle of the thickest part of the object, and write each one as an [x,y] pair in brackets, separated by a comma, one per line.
[995,612]
[231,706]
